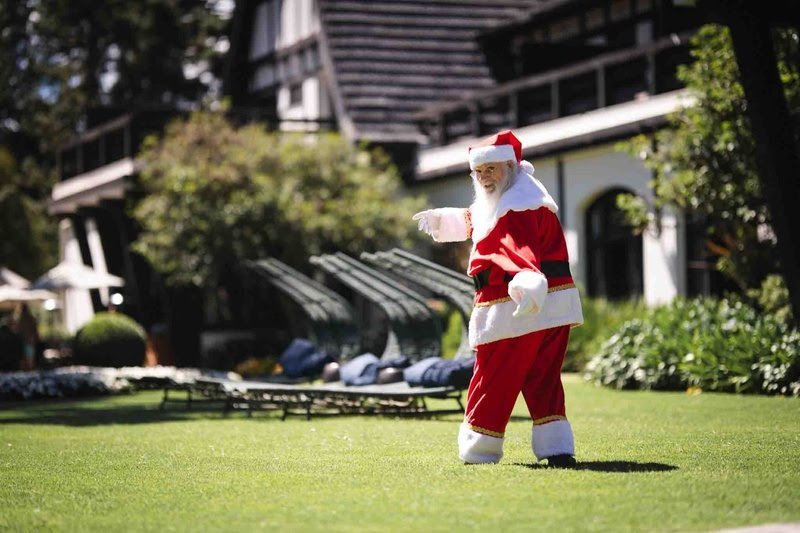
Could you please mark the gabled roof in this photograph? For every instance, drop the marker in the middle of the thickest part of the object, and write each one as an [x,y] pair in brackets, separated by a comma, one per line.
[389,58]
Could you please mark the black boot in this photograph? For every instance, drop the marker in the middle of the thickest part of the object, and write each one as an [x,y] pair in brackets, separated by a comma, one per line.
[561,461]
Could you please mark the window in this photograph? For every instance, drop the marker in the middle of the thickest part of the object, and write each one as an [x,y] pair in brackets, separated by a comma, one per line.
[296,94]
[643,6]
[614,253]
[563,29]
[595,18]
[266,27]
[620,10]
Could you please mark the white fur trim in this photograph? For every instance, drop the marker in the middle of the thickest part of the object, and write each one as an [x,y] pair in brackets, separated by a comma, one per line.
[553,438]
[528,286]
[489,154]
[496,322]
[527,193]
[474,447]
[452,225]
[526,167]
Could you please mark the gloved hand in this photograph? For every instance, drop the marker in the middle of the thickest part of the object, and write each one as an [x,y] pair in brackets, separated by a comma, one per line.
[524,300]
[428,221]
[528,289]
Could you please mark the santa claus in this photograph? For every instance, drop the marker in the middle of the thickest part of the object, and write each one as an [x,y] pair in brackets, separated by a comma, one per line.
[525,303]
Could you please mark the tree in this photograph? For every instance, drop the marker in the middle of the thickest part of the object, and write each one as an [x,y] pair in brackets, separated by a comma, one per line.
[216,195]
[29,241]
[705,163]
[65,65]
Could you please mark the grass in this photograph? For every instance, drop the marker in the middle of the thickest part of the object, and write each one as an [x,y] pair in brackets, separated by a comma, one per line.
[649,462]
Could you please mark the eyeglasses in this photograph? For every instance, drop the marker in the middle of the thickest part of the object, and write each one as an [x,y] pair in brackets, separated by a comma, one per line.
[489,171]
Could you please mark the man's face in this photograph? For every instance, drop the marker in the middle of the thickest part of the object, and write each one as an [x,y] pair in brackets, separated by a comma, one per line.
[493,175]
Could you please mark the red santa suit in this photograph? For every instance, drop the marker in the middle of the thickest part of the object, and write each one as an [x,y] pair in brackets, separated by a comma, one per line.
[519,258]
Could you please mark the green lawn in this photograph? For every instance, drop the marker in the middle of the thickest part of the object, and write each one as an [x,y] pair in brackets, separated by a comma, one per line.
[649,462]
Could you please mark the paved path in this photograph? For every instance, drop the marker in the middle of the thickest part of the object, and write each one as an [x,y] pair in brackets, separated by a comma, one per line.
[766,528]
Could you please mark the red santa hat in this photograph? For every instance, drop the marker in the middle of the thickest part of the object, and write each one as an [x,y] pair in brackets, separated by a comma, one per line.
[502,146]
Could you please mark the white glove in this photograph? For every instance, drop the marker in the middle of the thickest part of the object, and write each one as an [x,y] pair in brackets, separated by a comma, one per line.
[524,300]
[429,221]
[528,289]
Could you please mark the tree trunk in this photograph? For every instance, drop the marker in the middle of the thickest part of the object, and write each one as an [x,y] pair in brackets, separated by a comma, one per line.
[776,148]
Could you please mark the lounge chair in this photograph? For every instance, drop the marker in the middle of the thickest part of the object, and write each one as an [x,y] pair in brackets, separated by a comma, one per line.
[414,331]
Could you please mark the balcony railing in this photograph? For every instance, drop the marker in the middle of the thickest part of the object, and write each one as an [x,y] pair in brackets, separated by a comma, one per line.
[111,141]
[122,137]
[608,79]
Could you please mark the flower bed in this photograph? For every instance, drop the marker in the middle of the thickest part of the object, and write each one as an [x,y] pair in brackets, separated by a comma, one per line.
[78,381]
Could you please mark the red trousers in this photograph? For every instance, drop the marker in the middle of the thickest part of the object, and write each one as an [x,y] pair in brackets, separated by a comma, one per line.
[530,364]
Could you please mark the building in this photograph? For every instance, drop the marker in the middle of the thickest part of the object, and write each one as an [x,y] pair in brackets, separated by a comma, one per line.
[424,80]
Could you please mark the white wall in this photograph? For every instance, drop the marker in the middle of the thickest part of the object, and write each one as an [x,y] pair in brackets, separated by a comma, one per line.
[280,24]
[588,174]
[77,308]
[314,105]
[97,254]
[298,21]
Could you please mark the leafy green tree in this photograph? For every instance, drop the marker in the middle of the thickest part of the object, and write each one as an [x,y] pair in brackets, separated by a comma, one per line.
[65,65]
[705,163]
[216,195]
[29,240]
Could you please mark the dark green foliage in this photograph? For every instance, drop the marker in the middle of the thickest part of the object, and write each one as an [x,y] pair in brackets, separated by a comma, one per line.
[709,344]
[601,319]
[217,194]
[110,339]
[773,297]
[705,163]
[451,337]
[67,64]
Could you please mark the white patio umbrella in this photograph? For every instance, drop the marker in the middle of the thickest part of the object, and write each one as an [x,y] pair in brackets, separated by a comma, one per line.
[9,277]
[10,295]
[76,276]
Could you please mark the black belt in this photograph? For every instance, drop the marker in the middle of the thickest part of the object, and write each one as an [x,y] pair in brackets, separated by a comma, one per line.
[551,269]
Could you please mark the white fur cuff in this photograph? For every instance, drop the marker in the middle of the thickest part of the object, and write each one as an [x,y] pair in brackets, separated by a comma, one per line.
[476,448]
[452,225]
[553,438]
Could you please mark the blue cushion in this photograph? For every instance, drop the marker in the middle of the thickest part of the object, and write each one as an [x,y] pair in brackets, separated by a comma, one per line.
[350,372]
[302,359]
[363,370]
[438,372]
[413,374]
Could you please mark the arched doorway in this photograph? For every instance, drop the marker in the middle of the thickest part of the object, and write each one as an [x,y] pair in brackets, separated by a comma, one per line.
[614,253]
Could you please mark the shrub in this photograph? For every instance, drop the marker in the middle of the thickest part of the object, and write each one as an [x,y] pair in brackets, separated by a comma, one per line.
[110,339]
[451,337]
[773,297]
[715,345]
[601,319]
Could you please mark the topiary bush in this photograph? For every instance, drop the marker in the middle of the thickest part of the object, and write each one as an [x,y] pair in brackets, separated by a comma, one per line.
[110,339]
[708,344]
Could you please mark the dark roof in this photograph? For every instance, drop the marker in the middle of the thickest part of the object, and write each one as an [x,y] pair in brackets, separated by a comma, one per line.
[534,13]
[391,58]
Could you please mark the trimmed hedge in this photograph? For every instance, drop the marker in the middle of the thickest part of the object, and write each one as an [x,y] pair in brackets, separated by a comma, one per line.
[707,344]
[110,340]
[601,319]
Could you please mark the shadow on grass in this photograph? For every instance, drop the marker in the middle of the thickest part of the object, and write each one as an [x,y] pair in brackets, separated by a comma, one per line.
[621,467]
[77,413]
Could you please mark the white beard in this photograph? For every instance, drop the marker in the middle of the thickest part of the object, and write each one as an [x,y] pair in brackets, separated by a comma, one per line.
[485,203]
[484,207]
